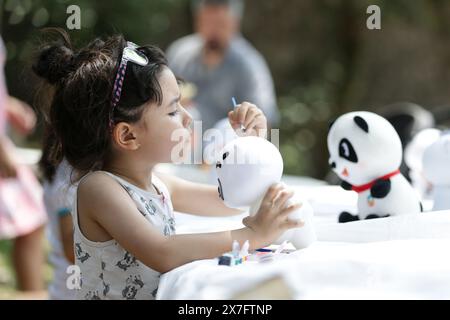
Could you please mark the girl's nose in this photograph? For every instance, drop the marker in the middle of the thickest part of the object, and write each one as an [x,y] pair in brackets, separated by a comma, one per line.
[187,118]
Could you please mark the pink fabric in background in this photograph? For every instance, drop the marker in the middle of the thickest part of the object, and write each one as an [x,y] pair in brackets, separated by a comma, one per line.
[21,203]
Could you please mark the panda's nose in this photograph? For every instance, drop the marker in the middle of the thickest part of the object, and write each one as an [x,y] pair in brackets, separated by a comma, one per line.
[332,164]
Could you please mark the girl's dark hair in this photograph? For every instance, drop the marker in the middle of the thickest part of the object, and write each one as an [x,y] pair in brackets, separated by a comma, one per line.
[81,83]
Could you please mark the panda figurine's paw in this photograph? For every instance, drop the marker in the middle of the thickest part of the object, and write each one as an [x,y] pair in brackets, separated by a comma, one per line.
[346,186]
[380,189]
[376,216]
[347,217]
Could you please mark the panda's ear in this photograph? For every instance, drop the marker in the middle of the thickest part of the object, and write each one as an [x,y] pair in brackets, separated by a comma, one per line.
[360,122]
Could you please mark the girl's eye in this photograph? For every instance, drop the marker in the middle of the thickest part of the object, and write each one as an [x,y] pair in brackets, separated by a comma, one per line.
[173,114]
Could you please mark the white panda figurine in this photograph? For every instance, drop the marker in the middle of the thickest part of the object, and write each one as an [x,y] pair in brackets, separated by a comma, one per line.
[436,168]
[366,153]
[246,168]
[413,156]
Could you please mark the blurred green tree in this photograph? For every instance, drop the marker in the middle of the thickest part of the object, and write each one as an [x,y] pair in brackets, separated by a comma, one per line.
[323,58]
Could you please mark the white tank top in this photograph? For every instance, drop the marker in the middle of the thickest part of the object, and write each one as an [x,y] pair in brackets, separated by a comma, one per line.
[108,271]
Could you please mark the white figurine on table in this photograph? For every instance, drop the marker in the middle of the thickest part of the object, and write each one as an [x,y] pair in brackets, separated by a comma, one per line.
[246,168]
[436,168]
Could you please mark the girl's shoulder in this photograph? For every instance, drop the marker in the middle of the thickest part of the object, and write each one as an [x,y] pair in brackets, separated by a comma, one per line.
[96,188]
[101,201]
[96,180]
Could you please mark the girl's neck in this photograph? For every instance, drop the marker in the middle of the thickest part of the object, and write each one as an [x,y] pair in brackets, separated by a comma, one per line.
[140,176]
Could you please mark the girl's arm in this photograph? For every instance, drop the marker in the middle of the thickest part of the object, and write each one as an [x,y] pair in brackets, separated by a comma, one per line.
[195,198]
[107,212]
[23,118]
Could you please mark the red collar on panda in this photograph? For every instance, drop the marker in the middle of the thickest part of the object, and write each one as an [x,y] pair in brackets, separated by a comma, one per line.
[369,185]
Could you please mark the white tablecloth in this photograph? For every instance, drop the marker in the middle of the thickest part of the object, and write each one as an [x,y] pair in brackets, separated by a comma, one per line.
[405,257]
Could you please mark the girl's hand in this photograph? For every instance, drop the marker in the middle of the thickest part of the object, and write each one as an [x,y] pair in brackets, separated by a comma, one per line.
[271,220]
[249,117]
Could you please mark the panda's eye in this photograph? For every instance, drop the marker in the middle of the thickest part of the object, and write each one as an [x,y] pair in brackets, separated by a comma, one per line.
[225,155]
[347,151]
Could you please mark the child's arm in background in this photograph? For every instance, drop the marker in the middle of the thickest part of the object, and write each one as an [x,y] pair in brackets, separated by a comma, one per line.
[66,232]
[8,167]
[20,115]
[200,199]
[106,212]
[23,119]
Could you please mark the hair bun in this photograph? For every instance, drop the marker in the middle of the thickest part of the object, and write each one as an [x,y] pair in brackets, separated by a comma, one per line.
[54,63]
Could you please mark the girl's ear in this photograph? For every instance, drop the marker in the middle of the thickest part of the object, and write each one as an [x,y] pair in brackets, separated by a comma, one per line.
[125,137]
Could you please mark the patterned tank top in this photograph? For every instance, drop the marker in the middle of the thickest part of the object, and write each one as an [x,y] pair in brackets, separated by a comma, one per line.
[108,271]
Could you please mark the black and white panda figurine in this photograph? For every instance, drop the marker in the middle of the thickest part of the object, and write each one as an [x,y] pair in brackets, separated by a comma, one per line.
[366,153]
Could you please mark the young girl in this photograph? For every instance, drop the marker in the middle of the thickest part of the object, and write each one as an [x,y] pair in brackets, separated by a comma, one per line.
[114,111]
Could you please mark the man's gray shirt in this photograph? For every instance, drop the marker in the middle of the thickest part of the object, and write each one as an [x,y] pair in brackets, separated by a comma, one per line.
[243,74]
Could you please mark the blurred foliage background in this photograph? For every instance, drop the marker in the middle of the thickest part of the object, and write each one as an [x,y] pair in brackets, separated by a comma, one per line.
[323,58]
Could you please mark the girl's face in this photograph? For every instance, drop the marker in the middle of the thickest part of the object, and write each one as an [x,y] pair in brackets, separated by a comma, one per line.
[164,130]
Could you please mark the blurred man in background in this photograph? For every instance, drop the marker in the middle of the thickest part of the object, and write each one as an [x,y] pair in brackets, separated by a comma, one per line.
[222,64]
